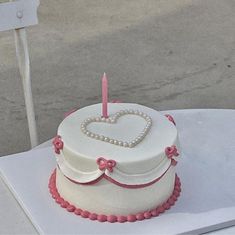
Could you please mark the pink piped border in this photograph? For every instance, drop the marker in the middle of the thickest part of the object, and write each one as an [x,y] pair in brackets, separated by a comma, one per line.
[113,218]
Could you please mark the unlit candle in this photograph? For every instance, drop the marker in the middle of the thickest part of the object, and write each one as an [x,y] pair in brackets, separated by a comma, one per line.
[104,96]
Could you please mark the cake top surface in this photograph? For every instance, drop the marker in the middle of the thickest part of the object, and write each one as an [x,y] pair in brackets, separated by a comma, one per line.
[161,134]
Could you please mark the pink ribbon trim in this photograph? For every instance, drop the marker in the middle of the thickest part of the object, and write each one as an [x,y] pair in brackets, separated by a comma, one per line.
[104,176]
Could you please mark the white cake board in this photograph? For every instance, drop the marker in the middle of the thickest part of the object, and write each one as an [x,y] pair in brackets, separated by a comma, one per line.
[207,172]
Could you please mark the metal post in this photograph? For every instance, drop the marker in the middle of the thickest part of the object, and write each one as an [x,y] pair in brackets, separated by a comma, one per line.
[24,68]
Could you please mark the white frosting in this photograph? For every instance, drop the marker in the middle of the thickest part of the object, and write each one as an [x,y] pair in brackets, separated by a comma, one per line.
[119,176]
[80,151]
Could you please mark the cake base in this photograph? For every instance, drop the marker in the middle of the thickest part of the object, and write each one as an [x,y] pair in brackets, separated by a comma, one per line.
[114,218]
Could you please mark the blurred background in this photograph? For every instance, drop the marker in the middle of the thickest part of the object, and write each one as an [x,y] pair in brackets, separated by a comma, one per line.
[165,54]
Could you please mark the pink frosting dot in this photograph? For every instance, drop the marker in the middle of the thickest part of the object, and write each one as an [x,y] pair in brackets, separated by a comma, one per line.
[177,188]
[85,214]
[59,200]
[54,192]
[154,212]
[78,211]
[93,216]
[102,218]
[147,215]
[64,204]
[55,195]
[174,197]
[176,193]
[171,201]
[167,205]
[161,209]
[140,216]
[131,218]
[52,188]
[71,208]
[112,218]
[121,219]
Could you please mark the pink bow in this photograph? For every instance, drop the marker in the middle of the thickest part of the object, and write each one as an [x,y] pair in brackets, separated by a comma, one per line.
[58,144]
[170,118]
[105,164]
[171,151]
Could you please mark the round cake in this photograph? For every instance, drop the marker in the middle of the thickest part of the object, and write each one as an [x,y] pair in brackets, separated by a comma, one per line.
[120,168]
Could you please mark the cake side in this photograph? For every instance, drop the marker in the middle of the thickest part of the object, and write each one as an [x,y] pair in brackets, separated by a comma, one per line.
[107,198]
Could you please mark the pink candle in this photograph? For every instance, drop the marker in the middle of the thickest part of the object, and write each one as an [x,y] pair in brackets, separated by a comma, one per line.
[104,96]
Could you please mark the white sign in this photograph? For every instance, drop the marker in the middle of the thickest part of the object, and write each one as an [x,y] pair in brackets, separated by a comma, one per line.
[18,14]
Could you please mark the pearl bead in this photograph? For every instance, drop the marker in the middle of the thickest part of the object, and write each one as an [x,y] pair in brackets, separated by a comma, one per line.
[120,143]
[114,119]
[131,145]
[125,144]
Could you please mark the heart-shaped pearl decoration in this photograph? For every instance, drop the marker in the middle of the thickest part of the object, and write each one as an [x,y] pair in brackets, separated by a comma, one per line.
[113,120]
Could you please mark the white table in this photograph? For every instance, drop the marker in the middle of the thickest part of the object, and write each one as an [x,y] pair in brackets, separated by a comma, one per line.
[14,221]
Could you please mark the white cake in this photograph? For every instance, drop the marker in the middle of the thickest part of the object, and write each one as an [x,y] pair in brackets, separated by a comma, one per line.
[117,169]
